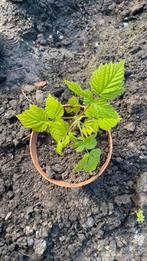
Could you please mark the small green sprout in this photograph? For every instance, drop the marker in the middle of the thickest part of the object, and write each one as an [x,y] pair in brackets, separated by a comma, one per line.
[140,216]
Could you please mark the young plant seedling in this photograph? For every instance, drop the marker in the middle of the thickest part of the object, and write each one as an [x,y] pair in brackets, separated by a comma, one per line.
[79,121]
[140,216]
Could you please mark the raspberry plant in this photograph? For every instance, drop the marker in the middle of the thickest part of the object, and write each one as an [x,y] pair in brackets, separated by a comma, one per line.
[79,121]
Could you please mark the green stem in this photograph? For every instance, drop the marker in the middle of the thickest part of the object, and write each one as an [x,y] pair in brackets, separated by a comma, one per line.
[76,105]
[75,123]
[80,129]
[68,118]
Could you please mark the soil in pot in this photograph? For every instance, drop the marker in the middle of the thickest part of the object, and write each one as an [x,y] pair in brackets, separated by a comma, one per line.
[62,167]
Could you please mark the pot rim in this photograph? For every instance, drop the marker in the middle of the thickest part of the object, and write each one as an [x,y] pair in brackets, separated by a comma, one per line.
[61,183]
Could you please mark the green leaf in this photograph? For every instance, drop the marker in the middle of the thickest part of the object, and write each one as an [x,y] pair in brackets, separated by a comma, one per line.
[62,144]
[58,129]
[72,136]
[54,108]
[108,124]
[107,80]
[76,88]
[90,126]
[88,97]
[89,161]
[140,216]
[34,118]
[105,114]
[86,143]
[86,131]
[74,102]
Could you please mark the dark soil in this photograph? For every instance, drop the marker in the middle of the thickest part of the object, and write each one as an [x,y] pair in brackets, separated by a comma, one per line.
[54,40]
[62,167]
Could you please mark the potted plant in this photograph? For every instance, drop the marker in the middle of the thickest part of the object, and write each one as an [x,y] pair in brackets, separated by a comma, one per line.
[79,123]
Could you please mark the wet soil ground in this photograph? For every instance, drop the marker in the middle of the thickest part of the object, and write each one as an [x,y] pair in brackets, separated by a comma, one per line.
[54,40]
[61,167]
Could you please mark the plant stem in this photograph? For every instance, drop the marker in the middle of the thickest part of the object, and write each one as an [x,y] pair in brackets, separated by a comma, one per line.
[78,105]
[80,129]
[28,99]
[76,122]
[68,118]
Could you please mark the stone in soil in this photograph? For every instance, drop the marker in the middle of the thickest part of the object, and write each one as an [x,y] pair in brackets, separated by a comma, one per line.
[122,199]
[137,8]
[40,97]
[130,127]
[90,222]
[40,246]
[50,172]
[30,241]
[28,88]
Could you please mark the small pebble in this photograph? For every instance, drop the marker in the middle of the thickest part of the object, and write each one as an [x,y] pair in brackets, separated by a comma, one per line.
[50,172]
[30,241]
[130,127]
[39,96]
[8,215]
[40,247]
[28,88]
[56,168]
[40,84]
[61,37]
[125,24]
[90,222]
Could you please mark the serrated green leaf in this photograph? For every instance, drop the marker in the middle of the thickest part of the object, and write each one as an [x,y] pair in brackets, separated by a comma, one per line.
[74,102]
[34,118]
[89,161]
[107,80]
[70,110]
[140,216]
[90,126]
[108,124]
[58,129]
[88,97]
[87,143]
[105,114]
[59,148]
[62,144]
[72,136]
[86,131]
[76,88]
[54,108]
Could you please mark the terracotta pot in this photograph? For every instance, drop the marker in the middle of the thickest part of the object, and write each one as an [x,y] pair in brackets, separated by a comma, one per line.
[33,152]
